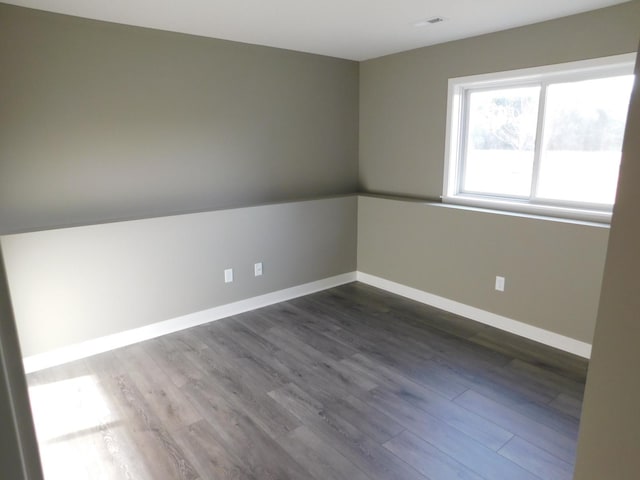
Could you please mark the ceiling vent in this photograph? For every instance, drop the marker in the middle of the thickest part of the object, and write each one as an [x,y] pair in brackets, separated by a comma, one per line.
[429,21]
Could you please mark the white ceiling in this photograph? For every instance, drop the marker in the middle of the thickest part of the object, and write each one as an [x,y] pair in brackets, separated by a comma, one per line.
[352,29]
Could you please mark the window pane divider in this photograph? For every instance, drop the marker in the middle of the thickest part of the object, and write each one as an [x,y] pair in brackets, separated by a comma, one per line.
[537,149]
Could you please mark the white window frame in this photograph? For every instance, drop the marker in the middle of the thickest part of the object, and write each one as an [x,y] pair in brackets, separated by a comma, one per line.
[457,117]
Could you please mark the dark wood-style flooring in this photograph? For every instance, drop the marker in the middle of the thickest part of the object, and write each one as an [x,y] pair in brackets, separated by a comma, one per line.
[351,383]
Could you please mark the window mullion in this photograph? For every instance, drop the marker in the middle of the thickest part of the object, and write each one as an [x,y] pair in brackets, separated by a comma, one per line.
[537,151]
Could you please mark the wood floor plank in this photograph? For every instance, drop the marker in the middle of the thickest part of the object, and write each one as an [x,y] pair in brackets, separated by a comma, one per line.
[106,365]
[417,419]
[263,457]
[478,458]
[384,332]
[535,459]
[237,329]
[417,334]
[188,339]
[255,353]
[389,351]
[155,447]
[351,442]
[416,313]
[171,360]
[546,378]
[427,459]
[568,405]
[431,375]
[552,359]
[336,377]
[321,459]
[223,355]
[280,366]
[210,458]
[482,430]
[74,419]
[539,435]
[551,417]
[255,320]
[165,400]
[241,388]
[347,382]
[314,314]
[373,423]
[317,339]
[493,383]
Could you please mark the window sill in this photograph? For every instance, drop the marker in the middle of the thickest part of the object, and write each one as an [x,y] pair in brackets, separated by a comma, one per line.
[562,214]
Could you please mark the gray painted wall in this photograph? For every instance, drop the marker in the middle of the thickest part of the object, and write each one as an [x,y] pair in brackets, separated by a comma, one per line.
[610,426]
[105,122]
[75,284]
[553,270]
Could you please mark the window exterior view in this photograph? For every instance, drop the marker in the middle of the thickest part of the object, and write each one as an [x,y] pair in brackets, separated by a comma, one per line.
[547,141]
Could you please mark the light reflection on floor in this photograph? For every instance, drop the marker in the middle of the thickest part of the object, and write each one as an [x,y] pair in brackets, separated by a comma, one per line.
[79,429]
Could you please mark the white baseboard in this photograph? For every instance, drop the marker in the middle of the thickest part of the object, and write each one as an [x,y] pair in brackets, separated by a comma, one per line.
[540,335]
[110,342]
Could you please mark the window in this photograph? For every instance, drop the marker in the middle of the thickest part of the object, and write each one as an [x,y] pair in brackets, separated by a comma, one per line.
[544,140]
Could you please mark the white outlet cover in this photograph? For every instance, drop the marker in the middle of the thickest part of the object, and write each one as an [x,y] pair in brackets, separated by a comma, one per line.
[500,284]
[228,275]
[257,269]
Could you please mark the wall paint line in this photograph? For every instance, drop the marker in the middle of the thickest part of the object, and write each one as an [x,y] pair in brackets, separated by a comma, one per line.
[510,325]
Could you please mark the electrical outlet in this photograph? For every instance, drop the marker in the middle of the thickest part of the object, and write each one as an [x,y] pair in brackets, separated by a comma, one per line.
[257,269]
[500,284]
[228,275]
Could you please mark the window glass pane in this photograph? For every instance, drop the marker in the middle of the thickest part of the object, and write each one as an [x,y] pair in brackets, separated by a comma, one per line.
[584,127]
[501,137]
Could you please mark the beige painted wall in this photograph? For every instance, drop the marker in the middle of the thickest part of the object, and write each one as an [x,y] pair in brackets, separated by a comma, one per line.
[552,275]
[553,270]
[75,284]
[403,97]
[610,426]
[103,121]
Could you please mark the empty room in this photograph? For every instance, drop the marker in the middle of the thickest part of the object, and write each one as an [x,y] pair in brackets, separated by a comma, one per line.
[319,240]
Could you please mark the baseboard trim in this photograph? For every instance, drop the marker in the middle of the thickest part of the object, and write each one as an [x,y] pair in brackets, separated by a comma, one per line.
[516,327]
[121,339]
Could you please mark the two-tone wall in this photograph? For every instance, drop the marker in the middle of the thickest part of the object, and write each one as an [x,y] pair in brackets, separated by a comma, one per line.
[140,142]
[136,165]
[553,269]
[104,126]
